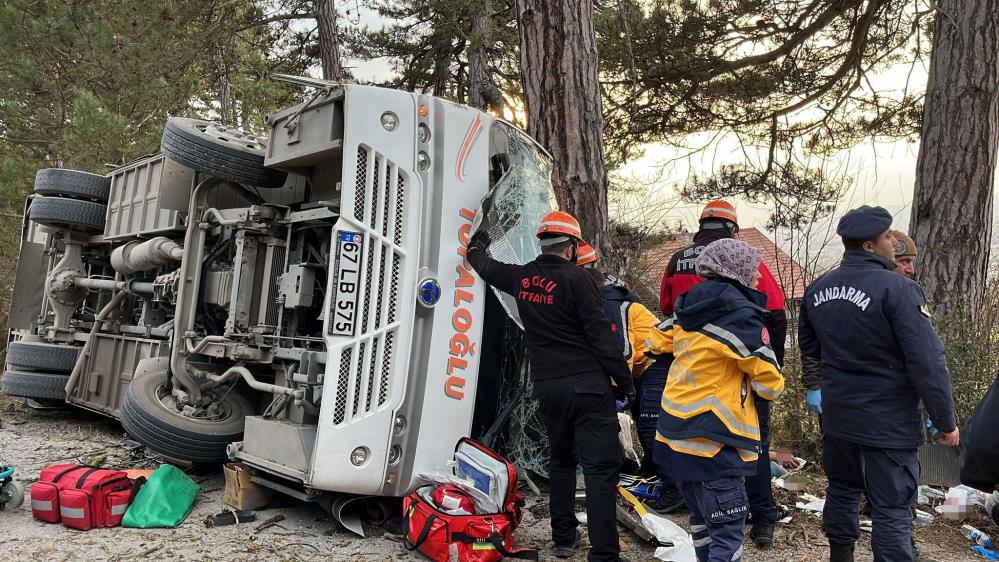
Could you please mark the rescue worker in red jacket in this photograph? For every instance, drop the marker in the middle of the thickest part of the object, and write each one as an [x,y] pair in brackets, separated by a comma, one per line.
[719,221]
[709,434]
[643,346]
[574,357]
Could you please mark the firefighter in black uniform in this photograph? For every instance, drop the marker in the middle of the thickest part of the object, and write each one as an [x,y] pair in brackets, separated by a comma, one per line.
[870,331]
[574,357]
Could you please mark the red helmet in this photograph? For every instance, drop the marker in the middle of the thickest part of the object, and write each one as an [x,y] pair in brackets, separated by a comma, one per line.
[558,223]
[719,209]
[587,255]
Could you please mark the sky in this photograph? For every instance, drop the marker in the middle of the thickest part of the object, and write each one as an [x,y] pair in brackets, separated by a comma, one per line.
[883,173]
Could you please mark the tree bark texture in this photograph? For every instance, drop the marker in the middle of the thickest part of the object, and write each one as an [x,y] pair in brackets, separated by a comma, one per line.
[482,91]
[226,101]
[558,56]
[329,40]
[955,170]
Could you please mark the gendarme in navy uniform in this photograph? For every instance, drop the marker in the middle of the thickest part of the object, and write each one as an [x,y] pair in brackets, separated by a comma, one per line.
[880,355]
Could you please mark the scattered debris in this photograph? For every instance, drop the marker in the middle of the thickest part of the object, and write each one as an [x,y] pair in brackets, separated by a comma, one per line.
[984,552]
[923,518]
[525,479]
[96,460]
[270,522]
[241,492]
[672,541]
[976,536]
[792,482]
[230,517]
[625,436]
[960,502]
[814,505]
[932,496]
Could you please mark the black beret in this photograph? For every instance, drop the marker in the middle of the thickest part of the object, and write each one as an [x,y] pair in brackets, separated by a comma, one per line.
[864,223]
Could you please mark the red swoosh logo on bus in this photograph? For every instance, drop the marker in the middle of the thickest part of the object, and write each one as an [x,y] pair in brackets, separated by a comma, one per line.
[473,133]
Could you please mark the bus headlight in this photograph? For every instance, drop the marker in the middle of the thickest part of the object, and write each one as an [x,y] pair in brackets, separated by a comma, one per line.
[389,121]
[422,161]
[359,456]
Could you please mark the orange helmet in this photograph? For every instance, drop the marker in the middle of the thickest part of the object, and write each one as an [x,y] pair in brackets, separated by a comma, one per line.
[719,209]
[587,255]
[558,223]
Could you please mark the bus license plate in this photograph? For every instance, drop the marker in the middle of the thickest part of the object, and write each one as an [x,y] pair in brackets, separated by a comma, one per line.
[344,313]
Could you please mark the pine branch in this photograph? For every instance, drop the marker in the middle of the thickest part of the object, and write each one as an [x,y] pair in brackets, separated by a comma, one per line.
[277,18]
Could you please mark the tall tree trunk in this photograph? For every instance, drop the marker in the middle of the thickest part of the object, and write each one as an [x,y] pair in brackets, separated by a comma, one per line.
[955,171]
[558,56]
[227,113]
[482,90]
[329,40]
[440,77]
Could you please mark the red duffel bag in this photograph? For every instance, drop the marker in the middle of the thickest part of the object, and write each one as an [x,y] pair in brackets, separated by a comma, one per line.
[436,525]
[80,496]
[443,537]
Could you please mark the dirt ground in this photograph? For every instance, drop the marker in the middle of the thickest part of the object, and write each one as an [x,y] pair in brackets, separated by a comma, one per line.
[30,440]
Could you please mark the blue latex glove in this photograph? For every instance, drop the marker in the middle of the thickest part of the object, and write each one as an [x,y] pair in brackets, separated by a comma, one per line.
[933,432]
[814,400]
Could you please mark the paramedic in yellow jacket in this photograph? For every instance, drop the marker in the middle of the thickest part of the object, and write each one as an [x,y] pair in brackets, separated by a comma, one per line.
[643,346]
[708,437]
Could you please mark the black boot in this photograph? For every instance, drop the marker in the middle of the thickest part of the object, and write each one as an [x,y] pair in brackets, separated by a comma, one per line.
[839,552]
[669,500]
[762,533]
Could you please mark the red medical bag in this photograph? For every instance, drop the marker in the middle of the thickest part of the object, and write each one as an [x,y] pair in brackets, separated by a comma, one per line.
[479,537]
[82,497]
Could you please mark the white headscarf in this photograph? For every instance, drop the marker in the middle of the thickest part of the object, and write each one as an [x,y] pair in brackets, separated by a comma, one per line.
[729,258]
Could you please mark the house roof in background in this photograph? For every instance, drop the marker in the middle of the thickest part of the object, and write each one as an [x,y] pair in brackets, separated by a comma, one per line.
[792,277]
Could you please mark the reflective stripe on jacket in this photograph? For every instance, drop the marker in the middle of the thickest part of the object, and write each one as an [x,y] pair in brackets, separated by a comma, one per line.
[634,325]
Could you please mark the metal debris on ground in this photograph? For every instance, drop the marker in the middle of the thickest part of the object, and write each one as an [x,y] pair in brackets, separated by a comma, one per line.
[230,517]
[270,522]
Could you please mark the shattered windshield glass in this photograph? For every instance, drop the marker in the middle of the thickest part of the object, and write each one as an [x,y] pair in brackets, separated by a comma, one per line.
[517,201]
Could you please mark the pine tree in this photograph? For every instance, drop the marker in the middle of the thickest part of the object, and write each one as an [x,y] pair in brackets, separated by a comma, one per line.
[463,51]
[562,94]
[956,167]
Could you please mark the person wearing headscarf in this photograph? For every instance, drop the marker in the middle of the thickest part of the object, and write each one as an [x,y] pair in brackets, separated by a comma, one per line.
[719,220]
[708,438]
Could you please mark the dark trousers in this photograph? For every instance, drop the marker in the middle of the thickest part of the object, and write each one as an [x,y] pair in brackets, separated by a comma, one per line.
[889,476]
[761,497]
[650,397]
[581,420]
[717,518]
